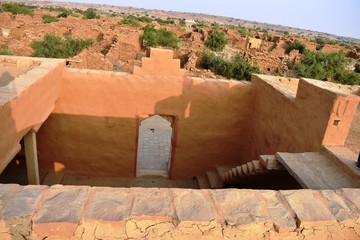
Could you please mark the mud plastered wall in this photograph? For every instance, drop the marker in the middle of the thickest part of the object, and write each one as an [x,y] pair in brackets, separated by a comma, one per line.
[94,127]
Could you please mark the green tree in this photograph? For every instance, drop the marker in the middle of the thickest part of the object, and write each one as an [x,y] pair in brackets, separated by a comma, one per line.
[296,45]
[131,21]
[216,40]
[159,37]
[235,68]
[327,67]
[90,13]
[56,47]
[16,8]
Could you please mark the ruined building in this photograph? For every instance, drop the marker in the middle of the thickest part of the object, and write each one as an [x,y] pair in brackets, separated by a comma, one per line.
[270,133]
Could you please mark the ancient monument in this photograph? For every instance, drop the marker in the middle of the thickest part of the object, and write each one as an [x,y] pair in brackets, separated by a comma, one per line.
[222,133]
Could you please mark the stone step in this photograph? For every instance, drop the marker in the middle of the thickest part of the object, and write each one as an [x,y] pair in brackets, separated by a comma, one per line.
[239,171]
[222,170]
[214,179]
[203,182]
[270,162]
[250,167]
[234,171]
[313,170]
[258,167]
[245,169]
[344,158]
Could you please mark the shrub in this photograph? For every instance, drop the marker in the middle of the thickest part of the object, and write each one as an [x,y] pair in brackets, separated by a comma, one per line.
[4,50]
[90,13]
[357,68]
[159,37]
[16,8]
[56,47]
[330,67]
[296,45]
[165,22]
[235,68]
[319,47]
[49,18]
[63,12]
[216,41]
[182,23]
[144,19]
[63,15]
[130,20]
[199,25]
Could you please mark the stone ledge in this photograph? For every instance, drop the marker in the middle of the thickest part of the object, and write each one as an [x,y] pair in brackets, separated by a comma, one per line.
[78,212]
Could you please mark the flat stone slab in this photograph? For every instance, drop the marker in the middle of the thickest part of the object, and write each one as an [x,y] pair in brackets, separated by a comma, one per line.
[70,212]
[242,207]
[344,158]
[282,216]
[309,207]
[109,204]
[313,170]
[152,203]
[193,205]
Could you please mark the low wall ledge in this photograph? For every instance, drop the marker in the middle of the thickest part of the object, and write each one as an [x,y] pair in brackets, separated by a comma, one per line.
[79,212]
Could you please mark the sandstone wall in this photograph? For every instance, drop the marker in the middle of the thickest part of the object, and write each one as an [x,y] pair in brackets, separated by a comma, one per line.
[94,127]
[69,212]
[26,102]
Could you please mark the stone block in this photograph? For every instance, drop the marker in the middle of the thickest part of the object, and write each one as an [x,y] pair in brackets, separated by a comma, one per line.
[338,206]
[21,202]
[244,208]
[108,204]
[17,208]
[352,195]
[193,205]
[155,203]
[6,188]
[281,214]
[59,211]
[309,208]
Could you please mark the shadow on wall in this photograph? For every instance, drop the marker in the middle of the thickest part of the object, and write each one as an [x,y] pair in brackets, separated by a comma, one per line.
[88,145]
[81,137]
[210,118]
[6,78]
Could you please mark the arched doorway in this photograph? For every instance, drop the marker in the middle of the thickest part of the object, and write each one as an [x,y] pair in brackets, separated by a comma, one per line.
[154,147]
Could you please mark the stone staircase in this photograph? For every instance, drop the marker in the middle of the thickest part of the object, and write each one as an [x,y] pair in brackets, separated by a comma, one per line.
[330,168]
[253,170]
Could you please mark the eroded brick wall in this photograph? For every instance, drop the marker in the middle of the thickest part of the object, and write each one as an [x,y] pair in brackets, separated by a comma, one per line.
[71,212]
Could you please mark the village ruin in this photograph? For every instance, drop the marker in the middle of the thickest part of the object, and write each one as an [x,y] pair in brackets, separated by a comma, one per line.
[260,160]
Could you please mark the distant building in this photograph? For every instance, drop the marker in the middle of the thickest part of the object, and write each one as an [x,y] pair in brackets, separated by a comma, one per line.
[190,21]
[252,43]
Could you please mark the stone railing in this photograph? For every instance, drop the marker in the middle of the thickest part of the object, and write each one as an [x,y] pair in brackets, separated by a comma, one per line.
[70,212]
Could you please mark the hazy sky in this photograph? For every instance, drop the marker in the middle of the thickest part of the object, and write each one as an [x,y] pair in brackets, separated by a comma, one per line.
[340,17]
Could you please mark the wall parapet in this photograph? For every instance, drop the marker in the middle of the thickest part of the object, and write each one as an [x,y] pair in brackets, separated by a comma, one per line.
[79,212]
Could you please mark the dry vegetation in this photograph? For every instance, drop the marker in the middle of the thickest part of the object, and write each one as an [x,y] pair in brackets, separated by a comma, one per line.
[115,38]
